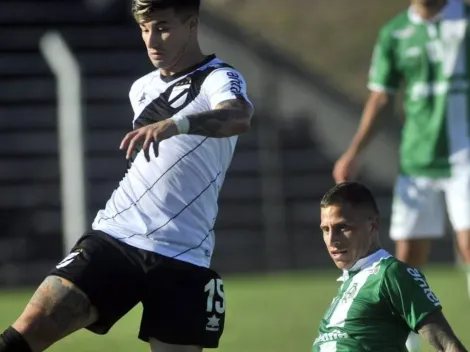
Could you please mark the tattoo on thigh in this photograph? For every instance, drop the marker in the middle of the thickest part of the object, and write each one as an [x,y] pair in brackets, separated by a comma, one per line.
[63,303]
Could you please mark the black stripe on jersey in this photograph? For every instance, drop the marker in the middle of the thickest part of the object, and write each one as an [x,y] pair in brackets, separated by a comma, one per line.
[186,206]
[160,108]
[153,185]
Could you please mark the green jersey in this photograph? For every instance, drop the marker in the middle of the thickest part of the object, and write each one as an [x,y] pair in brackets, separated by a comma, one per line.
[379,303]
[432,59]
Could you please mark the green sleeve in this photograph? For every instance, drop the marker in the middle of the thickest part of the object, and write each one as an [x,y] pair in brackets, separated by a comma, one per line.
[408,293]
[383,73]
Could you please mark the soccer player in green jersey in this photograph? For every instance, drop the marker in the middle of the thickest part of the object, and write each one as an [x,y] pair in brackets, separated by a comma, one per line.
[426,51]
[380,299]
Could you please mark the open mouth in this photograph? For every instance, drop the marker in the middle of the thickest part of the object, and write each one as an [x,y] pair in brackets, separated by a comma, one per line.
[338,253]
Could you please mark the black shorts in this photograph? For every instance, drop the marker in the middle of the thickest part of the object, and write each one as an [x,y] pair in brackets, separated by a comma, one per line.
[184,304]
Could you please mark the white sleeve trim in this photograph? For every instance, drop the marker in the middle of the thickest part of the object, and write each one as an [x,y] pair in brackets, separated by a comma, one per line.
[374,87]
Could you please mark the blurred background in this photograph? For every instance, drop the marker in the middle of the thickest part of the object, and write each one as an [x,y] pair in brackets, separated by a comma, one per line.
[306,64]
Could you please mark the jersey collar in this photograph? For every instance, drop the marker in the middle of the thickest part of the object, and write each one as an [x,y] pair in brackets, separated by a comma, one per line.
[168,79]
[364,263]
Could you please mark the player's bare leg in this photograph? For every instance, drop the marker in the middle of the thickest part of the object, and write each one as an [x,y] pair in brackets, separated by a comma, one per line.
[157,346]
[57,309]
[463,242]
[415,253]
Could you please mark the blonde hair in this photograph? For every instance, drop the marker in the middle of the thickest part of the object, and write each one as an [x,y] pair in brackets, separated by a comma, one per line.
[141,9]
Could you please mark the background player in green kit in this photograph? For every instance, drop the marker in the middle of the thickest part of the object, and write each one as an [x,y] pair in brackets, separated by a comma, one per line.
[426,49]
[380,299]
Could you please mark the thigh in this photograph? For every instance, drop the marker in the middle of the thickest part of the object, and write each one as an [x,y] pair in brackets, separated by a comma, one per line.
[184,305]
[105,273]
[457,193]
[158,346]
[418,209]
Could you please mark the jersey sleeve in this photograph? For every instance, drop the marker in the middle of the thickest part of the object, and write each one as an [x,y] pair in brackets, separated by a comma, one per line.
[408,293]
[383,73]
[224,84]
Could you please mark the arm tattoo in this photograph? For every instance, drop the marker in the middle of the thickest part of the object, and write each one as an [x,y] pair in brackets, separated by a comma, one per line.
[62,306]
[229,118]
[436,330]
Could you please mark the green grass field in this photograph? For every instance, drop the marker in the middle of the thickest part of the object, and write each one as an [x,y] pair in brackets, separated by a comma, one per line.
[277,313]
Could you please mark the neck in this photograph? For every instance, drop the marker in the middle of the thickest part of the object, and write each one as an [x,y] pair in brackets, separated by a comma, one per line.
[427,12]
[373,248]
[191,57]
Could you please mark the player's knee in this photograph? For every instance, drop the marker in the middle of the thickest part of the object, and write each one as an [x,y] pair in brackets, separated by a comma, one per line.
[12,341]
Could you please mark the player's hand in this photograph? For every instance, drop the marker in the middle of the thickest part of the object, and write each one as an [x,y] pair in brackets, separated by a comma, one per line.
[155,133]
[345,168]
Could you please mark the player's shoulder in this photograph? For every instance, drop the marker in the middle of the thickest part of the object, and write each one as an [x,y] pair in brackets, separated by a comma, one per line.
[218,69]
[396,269]
[397,26]
[139,83]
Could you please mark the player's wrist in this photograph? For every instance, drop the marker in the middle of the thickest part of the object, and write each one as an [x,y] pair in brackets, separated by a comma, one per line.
[181,122]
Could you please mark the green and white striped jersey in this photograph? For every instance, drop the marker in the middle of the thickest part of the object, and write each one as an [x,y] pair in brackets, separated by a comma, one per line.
[379,302]
[432,60]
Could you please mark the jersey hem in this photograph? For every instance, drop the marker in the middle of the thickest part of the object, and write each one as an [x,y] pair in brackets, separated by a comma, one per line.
[182,253]
[429,173]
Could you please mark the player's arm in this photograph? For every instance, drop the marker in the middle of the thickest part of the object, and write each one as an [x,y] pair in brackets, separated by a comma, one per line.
[228,118]
[407,292]
[384,80]
[229,109]
[228,113]
[435,329]
[378,107]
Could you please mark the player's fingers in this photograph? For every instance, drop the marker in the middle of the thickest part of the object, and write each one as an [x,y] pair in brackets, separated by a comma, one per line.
[132,144]
[146,145]
[127,138]
[156,144]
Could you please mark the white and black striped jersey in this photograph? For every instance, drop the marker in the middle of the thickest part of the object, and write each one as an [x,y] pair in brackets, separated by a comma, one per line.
[169,205]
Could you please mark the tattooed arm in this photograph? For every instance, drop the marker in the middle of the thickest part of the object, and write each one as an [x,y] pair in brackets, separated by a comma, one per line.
[436,330]
[229,118]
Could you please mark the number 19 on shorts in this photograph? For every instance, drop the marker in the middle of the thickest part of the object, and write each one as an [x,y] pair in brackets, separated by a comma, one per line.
[215,296]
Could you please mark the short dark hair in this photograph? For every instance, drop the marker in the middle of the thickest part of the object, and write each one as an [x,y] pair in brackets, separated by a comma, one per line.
[352,193]
[141,9]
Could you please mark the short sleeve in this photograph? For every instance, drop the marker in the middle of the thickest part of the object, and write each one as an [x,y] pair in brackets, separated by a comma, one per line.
[408,293]
[383,73]
[224,84]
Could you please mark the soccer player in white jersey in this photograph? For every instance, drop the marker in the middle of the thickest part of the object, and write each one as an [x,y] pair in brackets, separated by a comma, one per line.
[426,50]
[152,243]
[380,299]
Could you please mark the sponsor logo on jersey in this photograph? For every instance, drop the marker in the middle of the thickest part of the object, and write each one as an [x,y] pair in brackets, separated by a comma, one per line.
[236,84]
[424,285]
[331,336]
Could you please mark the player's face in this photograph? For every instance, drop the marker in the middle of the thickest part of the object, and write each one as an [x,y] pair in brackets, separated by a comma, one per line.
[348,233]
[167,37]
